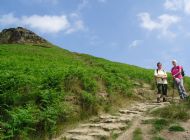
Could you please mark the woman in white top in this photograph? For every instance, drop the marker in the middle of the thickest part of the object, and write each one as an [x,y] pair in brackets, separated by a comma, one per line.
[161,81]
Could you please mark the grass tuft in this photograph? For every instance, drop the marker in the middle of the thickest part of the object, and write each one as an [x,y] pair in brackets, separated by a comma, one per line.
[137,134]
[159,124]
[173,112]
[176,128]
[157,138]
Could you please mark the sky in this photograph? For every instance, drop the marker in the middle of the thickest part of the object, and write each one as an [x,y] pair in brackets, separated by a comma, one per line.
[136,32]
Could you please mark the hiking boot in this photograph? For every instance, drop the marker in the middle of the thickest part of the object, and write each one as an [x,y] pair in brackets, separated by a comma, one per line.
[158,100]
[164,100]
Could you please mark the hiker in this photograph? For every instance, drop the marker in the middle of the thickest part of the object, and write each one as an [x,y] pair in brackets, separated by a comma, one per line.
[178,74]
[161,82]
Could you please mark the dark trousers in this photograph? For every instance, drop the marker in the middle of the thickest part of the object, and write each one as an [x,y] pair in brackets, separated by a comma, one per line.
[162,89]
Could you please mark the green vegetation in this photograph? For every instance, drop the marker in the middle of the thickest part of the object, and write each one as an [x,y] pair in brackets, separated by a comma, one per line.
[43,88]
[157,138]
[158,124]
[174,112]
[169,118]
[137,134]
[114,136]
[176,128]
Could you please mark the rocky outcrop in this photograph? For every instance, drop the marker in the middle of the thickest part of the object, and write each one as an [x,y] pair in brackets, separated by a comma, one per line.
[21,35]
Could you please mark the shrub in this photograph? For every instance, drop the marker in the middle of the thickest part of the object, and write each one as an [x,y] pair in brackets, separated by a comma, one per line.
[89,102]
[20,123]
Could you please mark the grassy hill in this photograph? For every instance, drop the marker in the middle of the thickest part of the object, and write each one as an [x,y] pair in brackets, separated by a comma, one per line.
[41,88]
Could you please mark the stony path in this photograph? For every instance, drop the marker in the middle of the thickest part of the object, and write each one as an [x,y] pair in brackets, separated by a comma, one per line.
[111,126]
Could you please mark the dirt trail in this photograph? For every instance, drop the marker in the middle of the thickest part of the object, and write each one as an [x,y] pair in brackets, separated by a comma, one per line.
[178,136]
[118,126]
[136,122]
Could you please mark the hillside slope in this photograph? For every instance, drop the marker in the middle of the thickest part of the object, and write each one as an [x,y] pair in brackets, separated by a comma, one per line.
[43,87]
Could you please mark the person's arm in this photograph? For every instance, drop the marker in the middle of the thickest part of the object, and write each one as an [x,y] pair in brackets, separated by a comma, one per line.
[172,73]
[156,75]
[165,75]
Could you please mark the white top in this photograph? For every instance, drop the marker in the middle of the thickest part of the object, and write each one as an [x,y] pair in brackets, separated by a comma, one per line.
[160,73]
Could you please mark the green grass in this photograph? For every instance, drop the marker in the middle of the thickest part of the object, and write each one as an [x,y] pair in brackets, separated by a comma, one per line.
[137,134]
[176,128]
[157,138]
[114,136]
[160,124]
[157,124]
[43,87]
[174,112]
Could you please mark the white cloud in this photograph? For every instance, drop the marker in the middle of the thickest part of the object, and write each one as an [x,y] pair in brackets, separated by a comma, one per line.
[45,23]
[147,22]
[162,23]
[174,5]
[78,25]
[187,6]
[52,24]
[135,43]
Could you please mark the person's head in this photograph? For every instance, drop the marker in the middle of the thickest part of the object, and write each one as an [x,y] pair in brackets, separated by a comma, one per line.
[159,65]
[174,63]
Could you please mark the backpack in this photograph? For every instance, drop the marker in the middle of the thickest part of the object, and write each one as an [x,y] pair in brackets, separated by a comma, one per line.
[182,72]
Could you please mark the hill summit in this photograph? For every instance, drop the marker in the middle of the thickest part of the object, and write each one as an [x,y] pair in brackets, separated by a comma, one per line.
[21,35]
